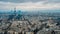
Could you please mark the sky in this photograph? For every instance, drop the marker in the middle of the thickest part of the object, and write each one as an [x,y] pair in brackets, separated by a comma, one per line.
[29,4]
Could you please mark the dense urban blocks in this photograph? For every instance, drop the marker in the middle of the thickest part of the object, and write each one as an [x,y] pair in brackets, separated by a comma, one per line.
[29,23]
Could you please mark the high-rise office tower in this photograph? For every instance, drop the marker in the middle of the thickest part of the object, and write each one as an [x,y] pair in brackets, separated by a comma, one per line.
[15,11]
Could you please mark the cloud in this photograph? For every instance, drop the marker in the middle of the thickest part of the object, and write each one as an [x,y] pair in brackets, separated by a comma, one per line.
[29,4]
[20,1]
[54,1]
[23,1]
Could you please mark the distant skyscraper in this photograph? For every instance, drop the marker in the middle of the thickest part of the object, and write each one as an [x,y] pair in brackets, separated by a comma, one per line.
[14,11]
